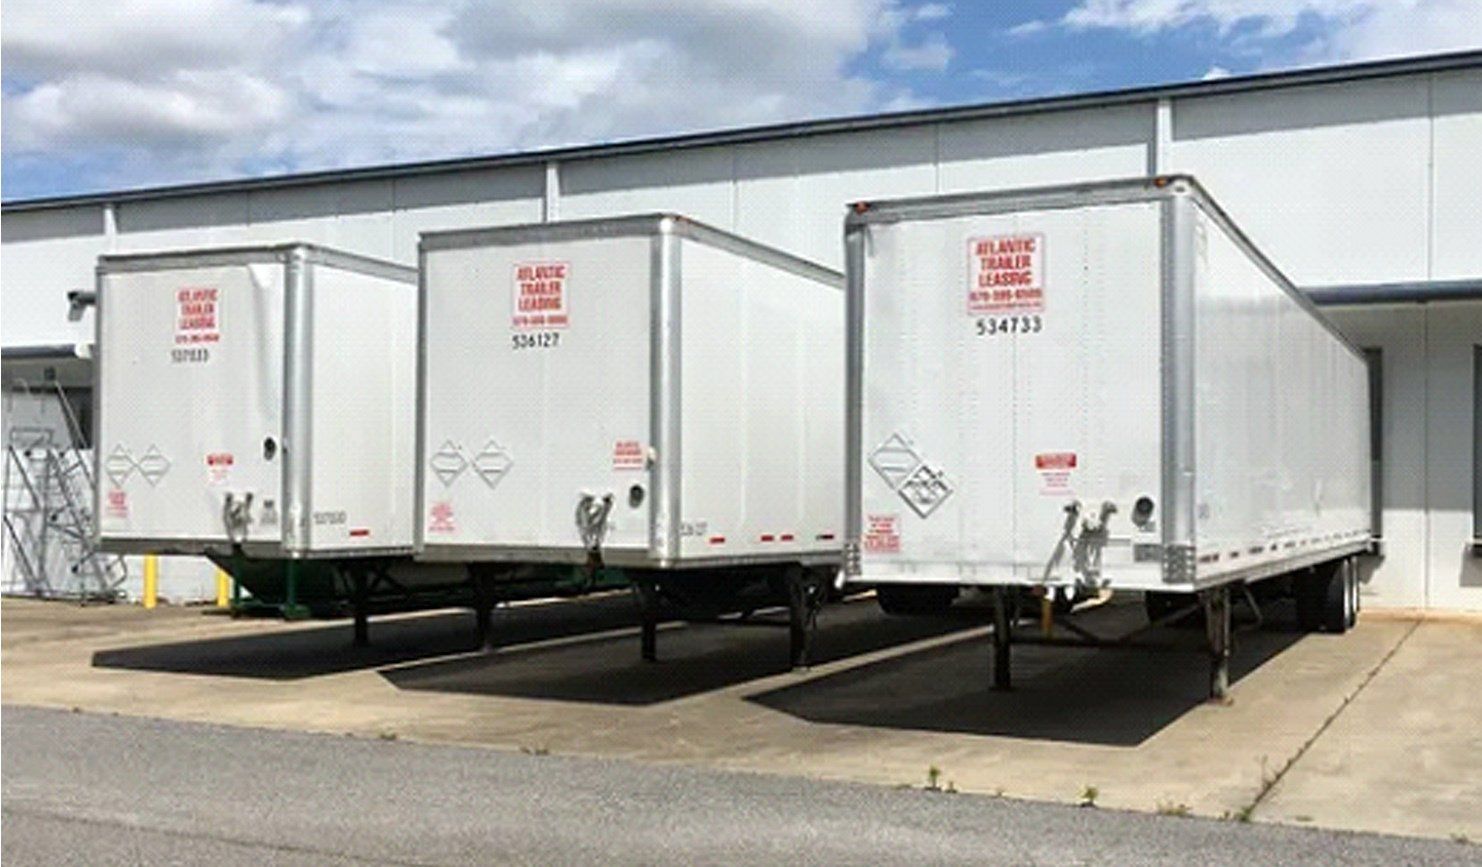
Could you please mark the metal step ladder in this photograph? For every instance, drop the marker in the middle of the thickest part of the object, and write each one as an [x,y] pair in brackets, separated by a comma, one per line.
[48,513]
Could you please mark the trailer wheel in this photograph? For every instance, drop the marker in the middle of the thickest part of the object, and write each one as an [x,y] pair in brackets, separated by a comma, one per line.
[1310,593]
[907,600]
[1352,568]
[1327,598]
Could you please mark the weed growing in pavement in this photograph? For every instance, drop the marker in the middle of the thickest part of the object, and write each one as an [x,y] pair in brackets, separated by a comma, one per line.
[1462,839]
[536,751]
[1170,808]
[388,736]
[1089,795]
[933,779]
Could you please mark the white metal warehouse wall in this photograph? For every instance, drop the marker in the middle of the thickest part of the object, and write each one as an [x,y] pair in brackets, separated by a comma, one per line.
[1358,181]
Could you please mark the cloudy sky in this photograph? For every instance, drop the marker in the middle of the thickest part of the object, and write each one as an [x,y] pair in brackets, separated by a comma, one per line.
[140,92]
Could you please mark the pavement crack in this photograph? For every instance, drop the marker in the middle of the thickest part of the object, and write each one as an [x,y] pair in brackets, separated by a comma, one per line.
[1269,783]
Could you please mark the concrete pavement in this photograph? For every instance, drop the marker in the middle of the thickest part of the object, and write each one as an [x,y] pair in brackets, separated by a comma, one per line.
[88,789]
[889,699]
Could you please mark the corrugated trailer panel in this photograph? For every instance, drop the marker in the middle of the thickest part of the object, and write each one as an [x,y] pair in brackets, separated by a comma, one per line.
[256,398]
[1094,385]
[762,378]
[1280,419]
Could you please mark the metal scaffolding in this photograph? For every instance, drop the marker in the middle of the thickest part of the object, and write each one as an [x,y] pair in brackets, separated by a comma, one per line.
[50,547]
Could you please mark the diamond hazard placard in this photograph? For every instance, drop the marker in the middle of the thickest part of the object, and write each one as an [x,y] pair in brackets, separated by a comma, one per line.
[894,460]
[538,295]
[1006,274]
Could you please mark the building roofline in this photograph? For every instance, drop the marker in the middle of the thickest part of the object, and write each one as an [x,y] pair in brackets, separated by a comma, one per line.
[771,132]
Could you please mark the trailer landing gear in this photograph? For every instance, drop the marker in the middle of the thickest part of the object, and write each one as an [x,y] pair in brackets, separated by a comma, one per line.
[805,592]
[1003,639]
[360,603]
[1218,629]
[1056,623]
[802,588]
[646,592]
[483,609]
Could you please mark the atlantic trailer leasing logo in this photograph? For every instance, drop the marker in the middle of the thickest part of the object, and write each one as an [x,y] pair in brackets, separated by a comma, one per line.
[538,296]
[1006,274]
[198,315]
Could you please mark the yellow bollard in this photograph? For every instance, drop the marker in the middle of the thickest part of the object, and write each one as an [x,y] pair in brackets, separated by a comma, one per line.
[223,589]
[151,580]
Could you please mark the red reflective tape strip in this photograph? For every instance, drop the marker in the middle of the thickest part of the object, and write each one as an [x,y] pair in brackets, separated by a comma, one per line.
[768,537]
[824,537]
[787,537]
[717,540]
[360,531]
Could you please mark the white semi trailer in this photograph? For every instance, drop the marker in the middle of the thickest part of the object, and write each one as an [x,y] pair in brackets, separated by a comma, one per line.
[257,405]
[1095,386]
[639,400]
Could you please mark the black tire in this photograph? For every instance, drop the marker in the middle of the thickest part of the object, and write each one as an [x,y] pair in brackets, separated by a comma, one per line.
[1310,590]
[1328,600]
[902,599]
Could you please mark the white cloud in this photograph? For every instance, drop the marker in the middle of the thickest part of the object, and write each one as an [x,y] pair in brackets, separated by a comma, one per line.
[1344,29]
[178,89]
[133,37]
[932,12]
[932,54]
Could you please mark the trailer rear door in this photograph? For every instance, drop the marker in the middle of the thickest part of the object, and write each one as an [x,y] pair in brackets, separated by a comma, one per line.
[537,394]
[207,339]
[1011,367]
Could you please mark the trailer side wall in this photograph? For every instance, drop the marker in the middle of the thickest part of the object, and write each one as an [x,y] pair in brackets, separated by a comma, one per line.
[362,398]
[762,383]
[1281,417]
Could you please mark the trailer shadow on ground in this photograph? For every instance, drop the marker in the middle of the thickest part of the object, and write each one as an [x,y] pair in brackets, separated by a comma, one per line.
[694,658]
[1109,697]
[292,654]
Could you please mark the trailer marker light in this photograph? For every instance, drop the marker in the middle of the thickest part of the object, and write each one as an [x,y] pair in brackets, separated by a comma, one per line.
[787,537]
[824,537]
[360,531]
[768,537]
[717,540]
